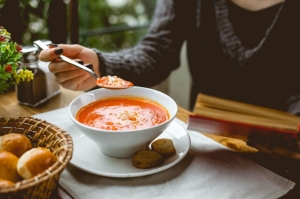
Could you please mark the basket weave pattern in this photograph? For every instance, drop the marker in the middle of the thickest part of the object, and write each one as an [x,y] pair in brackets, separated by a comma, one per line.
[42,134]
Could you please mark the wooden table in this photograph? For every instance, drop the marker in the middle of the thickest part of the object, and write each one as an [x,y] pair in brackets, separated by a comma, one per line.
[287,168]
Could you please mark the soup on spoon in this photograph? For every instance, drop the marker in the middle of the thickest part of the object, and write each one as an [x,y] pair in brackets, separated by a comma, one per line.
[113,82]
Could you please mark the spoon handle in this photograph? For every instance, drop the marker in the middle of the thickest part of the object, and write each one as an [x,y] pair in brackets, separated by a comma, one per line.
[43,46]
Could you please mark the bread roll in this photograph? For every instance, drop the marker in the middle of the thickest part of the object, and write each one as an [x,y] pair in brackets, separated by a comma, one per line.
[164,146]
[5,183]
[8,166]
[35,161]
[15,143]
[145,159]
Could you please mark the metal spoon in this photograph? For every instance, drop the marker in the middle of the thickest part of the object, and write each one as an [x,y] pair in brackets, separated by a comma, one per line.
[104,82]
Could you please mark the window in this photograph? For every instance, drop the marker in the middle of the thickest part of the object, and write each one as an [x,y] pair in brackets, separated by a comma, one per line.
[113,24]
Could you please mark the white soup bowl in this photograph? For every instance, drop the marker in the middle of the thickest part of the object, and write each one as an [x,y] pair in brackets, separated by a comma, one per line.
[122,143]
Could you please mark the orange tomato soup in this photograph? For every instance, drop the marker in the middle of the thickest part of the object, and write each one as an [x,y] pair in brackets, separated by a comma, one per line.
[122,113]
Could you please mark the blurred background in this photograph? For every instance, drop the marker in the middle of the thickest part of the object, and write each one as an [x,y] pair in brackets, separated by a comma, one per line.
[108,25]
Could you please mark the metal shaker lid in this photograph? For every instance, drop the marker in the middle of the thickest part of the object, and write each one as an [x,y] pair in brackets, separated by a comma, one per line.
[31,53]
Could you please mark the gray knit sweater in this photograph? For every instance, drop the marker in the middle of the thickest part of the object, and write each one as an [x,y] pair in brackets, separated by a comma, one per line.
[252,57]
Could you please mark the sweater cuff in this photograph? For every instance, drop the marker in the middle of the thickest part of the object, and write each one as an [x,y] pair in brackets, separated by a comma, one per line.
[102,64]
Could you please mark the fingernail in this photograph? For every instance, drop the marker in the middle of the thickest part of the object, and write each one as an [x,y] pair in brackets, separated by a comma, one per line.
[251,143]
[90,66]
[79,61]
[52,45]
[58,51]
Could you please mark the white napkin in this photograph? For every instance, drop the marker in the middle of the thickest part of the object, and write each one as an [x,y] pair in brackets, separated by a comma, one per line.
[209,171]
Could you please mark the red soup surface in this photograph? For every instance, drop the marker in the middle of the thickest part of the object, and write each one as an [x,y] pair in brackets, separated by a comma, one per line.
[122,113]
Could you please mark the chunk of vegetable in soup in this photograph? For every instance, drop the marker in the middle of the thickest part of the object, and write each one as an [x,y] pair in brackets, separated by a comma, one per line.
[122,113]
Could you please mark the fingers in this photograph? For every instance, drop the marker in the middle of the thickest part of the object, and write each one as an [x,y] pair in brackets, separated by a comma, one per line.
[58,67]
[67,75]
[75,79]
[78,82]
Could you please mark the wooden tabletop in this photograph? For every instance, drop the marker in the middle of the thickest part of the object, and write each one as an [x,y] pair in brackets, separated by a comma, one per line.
[9,107]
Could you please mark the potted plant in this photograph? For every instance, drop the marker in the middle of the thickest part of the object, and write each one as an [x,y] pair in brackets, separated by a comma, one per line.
[10,62]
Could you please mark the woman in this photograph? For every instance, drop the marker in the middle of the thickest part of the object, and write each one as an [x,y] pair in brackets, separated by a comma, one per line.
[237,49]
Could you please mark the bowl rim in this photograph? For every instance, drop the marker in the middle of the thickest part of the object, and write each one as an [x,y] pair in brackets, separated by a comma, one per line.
[123,131]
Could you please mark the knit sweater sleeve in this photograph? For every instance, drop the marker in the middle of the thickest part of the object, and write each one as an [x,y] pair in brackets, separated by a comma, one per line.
[157,54]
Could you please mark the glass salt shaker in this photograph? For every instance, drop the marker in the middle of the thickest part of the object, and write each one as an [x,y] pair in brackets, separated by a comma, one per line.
[32,93]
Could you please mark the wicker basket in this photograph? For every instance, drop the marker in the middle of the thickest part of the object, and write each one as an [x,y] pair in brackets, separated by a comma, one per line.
[43,134]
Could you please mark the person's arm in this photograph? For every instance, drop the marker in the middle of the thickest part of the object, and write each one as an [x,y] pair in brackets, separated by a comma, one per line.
[157,54]
[146,64]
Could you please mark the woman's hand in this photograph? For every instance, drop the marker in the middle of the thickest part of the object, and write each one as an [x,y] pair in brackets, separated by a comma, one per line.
[67,75]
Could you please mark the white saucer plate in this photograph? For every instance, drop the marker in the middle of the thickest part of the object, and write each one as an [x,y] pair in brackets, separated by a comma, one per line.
[87,157]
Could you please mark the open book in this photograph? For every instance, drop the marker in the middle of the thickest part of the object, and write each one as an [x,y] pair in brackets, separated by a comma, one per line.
[239,120]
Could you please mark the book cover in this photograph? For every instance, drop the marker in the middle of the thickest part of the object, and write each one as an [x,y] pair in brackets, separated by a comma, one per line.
[240,120]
